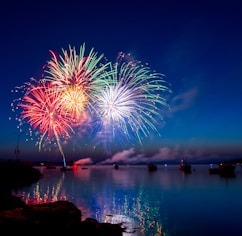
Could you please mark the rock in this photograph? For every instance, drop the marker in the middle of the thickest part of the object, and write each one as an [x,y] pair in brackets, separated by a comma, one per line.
[51,217]
[61,217]
[108,229]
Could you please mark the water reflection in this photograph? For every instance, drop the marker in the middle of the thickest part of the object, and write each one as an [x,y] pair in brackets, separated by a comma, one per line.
[164,202]
[43,193]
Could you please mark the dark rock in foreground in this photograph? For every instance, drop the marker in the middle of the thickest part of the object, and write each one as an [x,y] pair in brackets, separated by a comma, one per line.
[61,217]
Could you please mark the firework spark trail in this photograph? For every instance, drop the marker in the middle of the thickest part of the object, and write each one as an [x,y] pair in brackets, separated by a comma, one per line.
[42,110]
[128,105]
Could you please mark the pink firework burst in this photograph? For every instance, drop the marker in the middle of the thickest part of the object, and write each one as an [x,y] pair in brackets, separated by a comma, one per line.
[43,111]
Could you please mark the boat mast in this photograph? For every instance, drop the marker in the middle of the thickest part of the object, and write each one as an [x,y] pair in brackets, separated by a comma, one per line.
[17,150]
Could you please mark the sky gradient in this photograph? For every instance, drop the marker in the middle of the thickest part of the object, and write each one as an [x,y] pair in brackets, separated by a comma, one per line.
[197,45]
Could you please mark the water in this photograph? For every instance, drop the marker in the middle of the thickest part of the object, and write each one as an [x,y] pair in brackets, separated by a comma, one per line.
[166,202]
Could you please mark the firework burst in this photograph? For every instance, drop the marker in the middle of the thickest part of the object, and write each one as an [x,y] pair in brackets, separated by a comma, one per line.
[79,76]
[128,106]
[41,108]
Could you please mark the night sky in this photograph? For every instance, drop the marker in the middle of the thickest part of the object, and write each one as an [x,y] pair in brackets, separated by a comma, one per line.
[196,44]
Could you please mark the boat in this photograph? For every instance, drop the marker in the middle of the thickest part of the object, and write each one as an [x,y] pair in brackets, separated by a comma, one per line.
[65,168]
[185,167]
[115,166]
[223,169]
[152,167]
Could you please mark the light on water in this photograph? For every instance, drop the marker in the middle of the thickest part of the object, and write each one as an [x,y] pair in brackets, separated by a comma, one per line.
[162,202]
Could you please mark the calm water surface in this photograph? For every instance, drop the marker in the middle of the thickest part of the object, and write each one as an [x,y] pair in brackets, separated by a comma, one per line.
[165,202]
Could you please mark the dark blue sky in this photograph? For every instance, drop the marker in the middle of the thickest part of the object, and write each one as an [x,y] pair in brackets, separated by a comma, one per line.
[197,45]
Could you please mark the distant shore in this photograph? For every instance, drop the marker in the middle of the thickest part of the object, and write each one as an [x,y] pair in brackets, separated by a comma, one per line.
[59,163]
